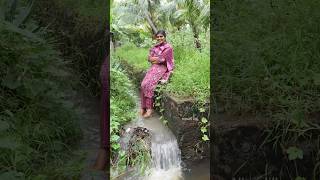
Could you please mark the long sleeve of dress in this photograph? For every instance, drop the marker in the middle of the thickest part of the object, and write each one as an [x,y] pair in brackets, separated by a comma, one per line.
[151,54]
[167,56]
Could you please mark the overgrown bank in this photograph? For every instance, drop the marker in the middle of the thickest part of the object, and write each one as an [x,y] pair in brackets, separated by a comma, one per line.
[38,123]
[123,111]
[182,103]
[81,26]
[192,68]
[48,52]
[266,64]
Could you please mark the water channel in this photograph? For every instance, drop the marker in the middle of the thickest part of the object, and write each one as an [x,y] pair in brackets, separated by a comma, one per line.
[166,155]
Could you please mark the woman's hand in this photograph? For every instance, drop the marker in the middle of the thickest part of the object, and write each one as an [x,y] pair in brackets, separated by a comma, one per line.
[153,60]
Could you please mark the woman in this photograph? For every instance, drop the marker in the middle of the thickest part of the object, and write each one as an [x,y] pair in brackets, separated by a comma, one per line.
[162,64]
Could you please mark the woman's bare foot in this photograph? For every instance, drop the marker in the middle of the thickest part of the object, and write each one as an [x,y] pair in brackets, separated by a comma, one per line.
[148,113]
[141,111]
[101,160]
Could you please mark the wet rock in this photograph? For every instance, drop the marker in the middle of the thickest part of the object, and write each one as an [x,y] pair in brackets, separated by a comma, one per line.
[183,120]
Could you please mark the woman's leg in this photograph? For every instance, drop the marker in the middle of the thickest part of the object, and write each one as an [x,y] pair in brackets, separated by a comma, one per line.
[149,107]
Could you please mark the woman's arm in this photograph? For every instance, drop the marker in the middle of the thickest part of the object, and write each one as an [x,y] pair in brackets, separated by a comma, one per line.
[164,56]
[168,56]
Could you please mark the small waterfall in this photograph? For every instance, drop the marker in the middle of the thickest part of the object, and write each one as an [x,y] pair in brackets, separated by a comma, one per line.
[166,161]
[165,152]
[165,156]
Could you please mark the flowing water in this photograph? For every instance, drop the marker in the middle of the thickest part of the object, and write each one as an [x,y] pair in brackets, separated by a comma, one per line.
[166,158]
[166,155]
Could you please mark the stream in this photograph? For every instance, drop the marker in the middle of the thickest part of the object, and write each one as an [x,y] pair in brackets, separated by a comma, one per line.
[166,156]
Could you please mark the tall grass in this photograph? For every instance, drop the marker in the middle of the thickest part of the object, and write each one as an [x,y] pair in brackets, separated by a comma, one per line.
[38,123]
[123,111]
[266,56]
[80,27]
[192,67]
[267,62]
[133,55]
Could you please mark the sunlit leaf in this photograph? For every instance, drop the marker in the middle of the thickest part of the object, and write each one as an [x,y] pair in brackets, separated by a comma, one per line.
[294,153]
[205,137]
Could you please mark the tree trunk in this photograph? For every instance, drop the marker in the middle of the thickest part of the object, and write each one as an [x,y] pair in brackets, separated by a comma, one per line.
[196,37]
[150,22]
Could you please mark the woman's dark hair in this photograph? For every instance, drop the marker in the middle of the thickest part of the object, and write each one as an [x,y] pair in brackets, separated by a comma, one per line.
[161,32]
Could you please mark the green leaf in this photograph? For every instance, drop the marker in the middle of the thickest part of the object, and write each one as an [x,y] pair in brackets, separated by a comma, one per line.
[203,129]
[116,146]
[23,32]
[115,138]
[202,110]
[294,153]
[204,120]
[205,137]
[300,178]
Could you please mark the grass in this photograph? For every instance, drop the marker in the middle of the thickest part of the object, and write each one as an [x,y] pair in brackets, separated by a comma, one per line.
[38,122]
[134,56]
[80,27]
[191,77]
[266,59]
[267,63]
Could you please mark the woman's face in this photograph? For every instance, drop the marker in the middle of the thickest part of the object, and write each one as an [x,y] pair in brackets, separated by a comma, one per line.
[160,38]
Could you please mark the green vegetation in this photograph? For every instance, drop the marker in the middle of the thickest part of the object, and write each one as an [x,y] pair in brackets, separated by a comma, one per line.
[186,23]
[38,123]
[192,68]
[134,55]
[267,62]
[123,110]
[81,25]
[191,77]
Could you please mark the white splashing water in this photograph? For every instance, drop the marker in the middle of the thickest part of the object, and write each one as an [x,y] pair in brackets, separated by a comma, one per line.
[165,152]
[165,161]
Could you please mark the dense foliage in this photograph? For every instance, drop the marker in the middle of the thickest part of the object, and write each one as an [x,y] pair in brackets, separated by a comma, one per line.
[122,108]
[272,60]
[267,61]
[192,67]
[81,26]
[38,123]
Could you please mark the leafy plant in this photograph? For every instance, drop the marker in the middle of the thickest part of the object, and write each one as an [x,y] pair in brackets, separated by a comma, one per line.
[38,121]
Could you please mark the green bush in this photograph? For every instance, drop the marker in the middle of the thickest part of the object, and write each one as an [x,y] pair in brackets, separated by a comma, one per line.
[266,62]
[38,124]
[80,27]
[122,108]
[266,56]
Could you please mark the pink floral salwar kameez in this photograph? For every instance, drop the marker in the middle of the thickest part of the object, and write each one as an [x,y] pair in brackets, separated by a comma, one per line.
[161,70]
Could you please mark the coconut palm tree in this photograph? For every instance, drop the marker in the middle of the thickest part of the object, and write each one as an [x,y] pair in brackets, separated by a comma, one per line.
[197,14]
